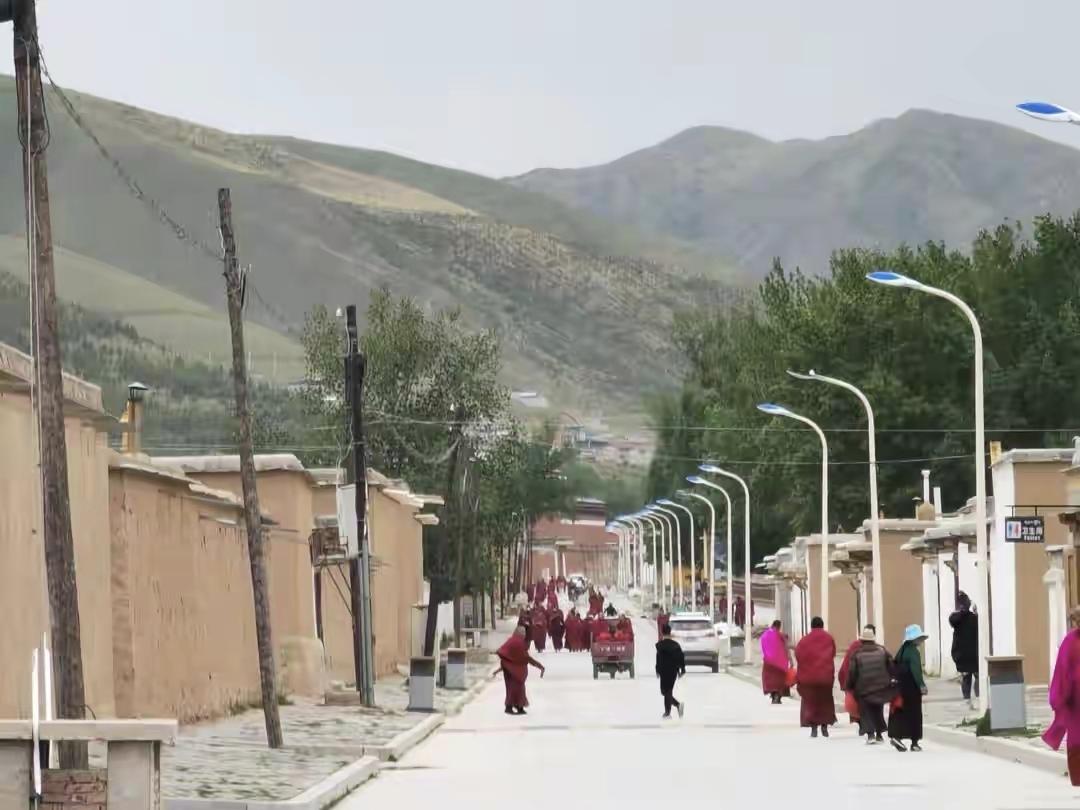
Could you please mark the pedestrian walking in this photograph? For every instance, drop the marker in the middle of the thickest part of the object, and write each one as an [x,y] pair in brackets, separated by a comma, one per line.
[815,660]
[775,663]
[1063,698]
[670,666]
[851,705]
[556,628]
[539,628]
[514,660]
[965,645]
[525,621]
[870,678]
[905,714]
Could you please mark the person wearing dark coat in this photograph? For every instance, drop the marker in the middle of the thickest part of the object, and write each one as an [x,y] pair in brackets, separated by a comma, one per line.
[870,678]
[670,666]
[965,644]
[905,715]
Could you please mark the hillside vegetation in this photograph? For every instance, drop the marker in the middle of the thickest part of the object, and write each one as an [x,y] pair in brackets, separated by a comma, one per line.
[922,176]
[327,225]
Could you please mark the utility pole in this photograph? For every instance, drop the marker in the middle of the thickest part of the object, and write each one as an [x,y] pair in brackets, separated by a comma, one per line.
[234,287]
[360,566]
[48,384]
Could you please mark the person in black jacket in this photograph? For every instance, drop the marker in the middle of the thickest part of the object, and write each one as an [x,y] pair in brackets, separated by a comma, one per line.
[965,644]
[670,666]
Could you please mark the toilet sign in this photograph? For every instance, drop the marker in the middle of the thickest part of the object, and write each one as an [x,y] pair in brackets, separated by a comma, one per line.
[1024,530]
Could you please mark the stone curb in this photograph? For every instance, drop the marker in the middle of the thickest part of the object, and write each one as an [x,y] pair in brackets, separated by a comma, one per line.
[457,704]
[1000,747]
[406,740]
[317,797]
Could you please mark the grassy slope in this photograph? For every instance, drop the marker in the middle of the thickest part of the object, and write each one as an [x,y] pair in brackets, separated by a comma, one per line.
[326,225]
[918,177]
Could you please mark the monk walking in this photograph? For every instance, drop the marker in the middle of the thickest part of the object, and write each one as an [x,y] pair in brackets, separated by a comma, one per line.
[775,662]
[515,662]
[539,628]
[815,656]
[556,628]
[1063,698]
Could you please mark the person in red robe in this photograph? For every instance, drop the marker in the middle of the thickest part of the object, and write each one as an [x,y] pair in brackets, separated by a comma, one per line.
[530,592]
[815,659]
[775,662]
[515,661]
[1063,699]
[585,634]
[739,612]
[851,705]
[556,628]
[552,600]
[539,628]
[525,621]
[625,627]
[541,592]
[662,618]
[561,582]
[573,630]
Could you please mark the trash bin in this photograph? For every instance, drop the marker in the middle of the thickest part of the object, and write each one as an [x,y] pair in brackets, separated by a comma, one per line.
[422,684]
[455,669]
[1008,707]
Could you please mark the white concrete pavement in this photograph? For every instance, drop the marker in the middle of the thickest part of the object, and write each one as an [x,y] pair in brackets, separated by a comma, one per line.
[602,744]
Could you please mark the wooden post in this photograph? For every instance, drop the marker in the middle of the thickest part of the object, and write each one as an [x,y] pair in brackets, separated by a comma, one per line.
[49,389]
[252,514]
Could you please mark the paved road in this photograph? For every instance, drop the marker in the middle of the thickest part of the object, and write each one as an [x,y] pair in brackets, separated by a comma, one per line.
[601,744]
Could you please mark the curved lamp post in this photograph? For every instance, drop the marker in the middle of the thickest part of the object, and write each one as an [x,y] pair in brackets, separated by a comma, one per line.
[891,279]
[639,550]
[875,522]
[693,558]
[697,479]
[678,549]
[779,410]
[748,598]
[665,552]
[653,523]
[1045,111]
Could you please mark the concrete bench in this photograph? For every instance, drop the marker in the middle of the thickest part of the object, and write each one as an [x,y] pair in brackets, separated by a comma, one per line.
[475,636]
[133,766]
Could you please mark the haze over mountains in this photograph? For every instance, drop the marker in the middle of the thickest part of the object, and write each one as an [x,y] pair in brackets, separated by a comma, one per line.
[922,176]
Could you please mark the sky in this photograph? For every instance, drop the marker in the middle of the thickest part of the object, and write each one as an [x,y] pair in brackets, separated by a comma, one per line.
[501,87]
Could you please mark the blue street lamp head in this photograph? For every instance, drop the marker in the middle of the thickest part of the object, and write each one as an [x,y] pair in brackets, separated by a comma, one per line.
[666,502]
[773,409]
[1046,111]
[710,468]
[696,479]
[891,279]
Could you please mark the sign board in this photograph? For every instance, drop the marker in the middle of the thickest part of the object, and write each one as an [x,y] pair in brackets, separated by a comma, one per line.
[1024,529]
[346,519]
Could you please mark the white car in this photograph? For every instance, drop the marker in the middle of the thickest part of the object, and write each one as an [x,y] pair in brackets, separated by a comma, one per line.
[698,638]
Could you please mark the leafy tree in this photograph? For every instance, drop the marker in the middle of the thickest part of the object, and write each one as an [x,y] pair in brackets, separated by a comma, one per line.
[910,353]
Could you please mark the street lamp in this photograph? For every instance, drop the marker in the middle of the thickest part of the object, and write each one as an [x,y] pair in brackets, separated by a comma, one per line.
[875,522]
[779,410]
[693,554]
[652,521]
[1045,111]
[671,523]
[639,550]
[665,544]
[619,530]
[748,598]
[678,549]
[891,279]
[697,479]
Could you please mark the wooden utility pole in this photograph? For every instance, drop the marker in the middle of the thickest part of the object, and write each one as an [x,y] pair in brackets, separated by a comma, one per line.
[252,514]
[359,566]
[49,385]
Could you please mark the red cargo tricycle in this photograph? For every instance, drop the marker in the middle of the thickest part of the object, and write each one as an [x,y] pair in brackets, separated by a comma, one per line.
[611,656]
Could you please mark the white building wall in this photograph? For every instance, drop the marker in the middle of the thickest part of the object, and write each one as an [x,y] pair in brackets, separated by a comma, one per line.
[932,616]
[1002,563]
[946,584]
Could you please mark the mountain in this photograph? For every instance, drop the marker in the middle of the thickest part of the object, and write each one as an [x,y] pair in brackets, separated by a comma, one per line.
[921,176]
[583,305]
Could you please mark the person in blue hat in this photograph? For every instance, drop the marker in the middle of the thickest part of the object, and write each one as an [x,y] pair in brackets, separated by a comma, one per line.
[905,714]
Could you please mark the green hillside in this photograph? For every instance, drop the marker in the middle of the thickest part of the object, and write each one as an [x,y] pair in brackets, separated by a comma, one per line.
[922,176]
[326,225]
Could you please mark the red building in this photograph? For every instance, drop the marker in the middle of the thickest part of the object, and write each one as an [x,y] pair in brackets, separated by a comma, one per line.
[576,544]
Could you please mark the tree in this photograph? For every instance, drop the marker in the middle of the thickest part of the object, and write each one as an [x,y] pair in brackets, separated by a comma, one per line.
[910,354]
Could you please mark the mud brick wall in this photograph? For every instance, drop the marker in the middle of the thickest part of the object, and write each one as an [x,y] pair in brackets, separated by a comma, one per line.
[73,790]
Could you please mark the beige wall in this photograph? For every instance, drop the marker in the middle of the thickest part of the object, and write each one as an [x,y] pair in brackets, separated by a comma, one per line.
[397,585]
[901,586]
[843,604]
[286,496]
[23,594]
[184,628]
[1036,483]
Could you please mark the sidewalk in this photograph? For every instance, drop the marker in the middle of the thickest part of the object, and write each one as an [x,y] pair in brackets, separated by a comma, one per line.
[946,712]
[228,758]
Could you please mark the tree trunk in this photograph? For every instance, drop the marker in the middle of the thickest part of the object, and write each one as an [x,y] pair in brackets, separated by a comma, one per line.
[252,514]
[48,388]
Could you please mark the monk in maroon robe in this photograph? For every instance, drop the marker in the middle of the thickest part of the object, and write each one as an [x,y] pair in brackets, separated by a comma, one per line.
[587,634]
[624,628]
[556,628]
[552,600]
[515,662]
[662,618]
[539,628]
[815,658]
[573,631]
[530,592]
